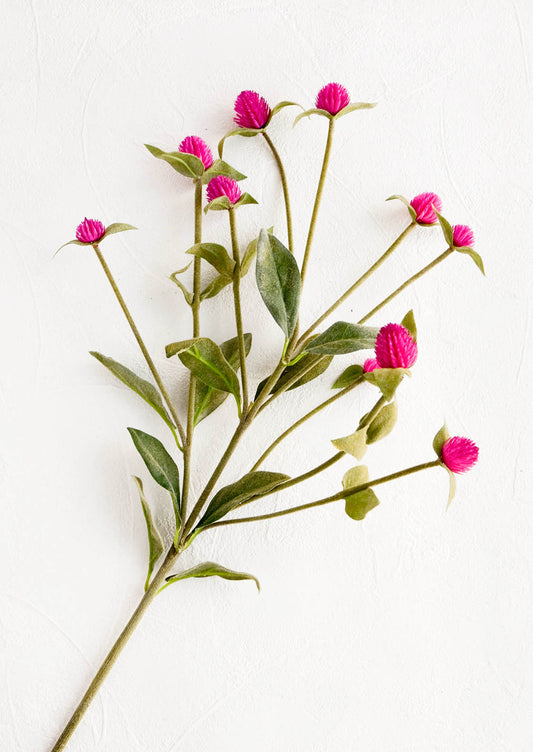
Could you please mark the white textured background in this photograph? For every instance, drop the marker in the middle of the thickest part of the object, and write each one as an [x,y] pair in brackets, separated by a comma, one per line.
[409,632]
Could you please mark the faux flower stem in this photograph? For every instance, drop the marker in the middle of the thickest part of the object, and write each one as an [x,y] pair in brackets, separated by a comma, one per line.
[408,282]
[302,420]
[197,270]
[115,651]
[140,342]
[329,499]
[238,311]
[356,284]
[285,188]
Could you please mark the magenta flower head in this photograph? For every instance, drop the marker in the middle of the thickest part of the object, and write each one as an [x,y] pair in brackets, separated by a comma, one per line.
[395,347]
[369,365]
[462,236]
[333,98]
[251,110]
[90,231]
[424,205]
[223,186]
[459,454]
[197,147]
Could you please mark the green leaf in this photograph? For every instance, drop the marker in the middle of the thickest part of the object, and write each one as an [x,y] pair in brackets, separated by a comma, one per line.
[186,164]
[343,337]
[220,203]
[221,168]
[409,323]
[386,379]
[451,492]
[312,111]
[246,132]
[117,227]
[353,107]
[440,437]
[280,106]
[349,376]
[279,282]
[207,399]
[360,503]
[215,286]
[447,229]
[238,493]
[288,373]
[245,199]
[155,541]
[250,253]
[216,255]
[140,386]
[210,569]
[71,242]
[205,361]
[189,297]
[383,423]
[160,465]
[405,201]
[474,255]
[354,444]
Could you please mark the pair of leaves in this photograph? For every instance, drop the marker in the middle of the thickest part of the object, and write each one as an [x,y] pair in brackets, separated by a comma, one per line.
[279,281]
[222,202]
[324,113]
[191,166]
[380,427]
[358,504]
[447,231]
[251,132]
[251,485]
[206,362]
[440,437]
[112,229]
[210,569]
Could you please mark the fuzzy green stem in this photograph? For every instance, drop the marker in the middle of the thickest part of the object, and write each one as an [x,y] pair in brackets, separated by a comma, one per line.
[140,342]
[285,188]
[408,282]
[115,651]
[238,311]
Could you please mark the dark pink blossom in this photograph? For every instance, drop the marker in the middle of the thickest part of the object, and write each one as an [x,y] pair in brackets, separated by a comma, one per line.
[370,364]
[223,186]
[462,236]
[90,230]
[333,98]
[198,147]
[395,347]
[251,110]
[459,454]
[424,205]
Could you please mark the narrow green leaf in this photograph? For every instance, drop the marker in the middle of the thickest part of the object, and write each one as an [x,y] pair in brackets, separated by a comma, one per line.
[343,337]
[155,541]
[210,569]
[117,227]
[322,363]
[279,282]
[245,199]
[71,242]
[140,386]
[447,229]
[189,297]
[383,423]
[353,107]
[216,255]
[474,255]
[246,132]
[218,204]
[205,361]
[440,437]
[160,465]
[221,168]
[312,111]
[250,253]
[354,444]
[281,106]
[349,376]
[401,198]
[409,323]
[386,379]
[360,503]
[186,164]
[232,496]
[215,286]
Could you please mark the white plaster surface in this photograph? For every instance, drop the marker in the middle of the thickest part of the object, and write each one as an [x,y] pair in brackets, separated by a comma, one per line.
[409,632]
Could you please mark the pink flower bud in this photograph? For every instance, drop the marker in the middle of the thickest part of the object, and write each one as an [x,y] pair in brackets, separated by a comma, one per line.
[462,236]
[395,348]
[223,186]
[333,98]
[370,364]
[198,147]
[251,110]
[459,454]
[424,205]
[90,230]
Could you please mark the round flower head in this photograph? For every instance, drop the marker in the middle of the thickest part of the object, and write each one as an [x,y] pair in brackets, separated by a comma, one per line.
[251,110]
[424,205]
[462,236]
[223,186]
[395,348]
[459,454]
[198,147]
[90,230]
[333,98]
[370,364]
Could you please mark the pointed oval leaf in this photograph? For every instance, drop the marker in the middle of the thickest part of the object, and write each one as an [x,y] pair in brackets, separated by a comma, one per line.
[210,569]
[216,255]
[359,503]
[250,253]
[354,444]
[440,437]
[447,229]
[115,227]
[155,541]
[160,465]
[189,297]
[383,423]
[219,167]
[353,107]
[140,386]
[409,323]
[215,286]
[186,164]
[474,255]
[70,242]
[386,379]
[349,376]
[245,199]
[279,282]
[246,132]
[281,106]
[401,198]
[321,364]
[248,487]
[312,111]
[343,337]
[218,204]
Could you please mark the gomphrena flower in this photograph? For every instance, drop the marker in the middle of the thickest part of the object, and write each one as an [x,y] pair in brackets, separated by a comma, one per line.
[90,230]
[198,147]
[223,186]
[395,347]
[459,454]
[333,98]
[369,365]
[251,110]
[424,205]
[462,236]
